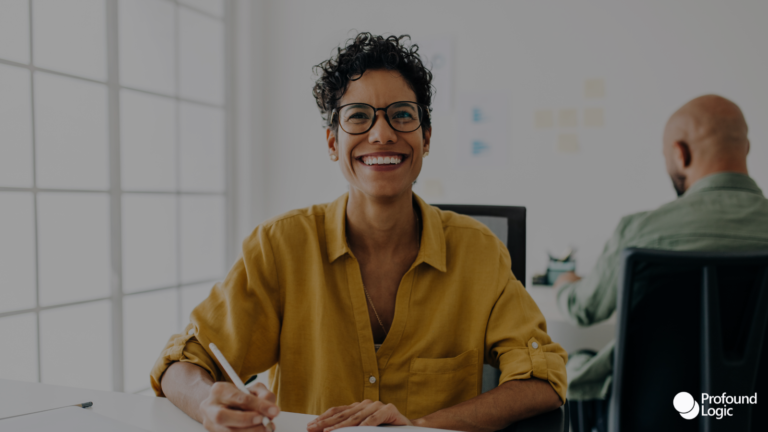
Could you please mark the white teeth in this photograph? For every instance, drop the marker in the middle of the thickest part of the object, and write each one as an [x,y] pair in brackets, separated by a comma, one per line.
[382,160]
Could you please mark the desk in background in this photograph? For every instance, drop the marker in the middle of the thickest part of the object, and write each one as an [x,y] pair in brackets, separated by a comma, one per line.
[571,336]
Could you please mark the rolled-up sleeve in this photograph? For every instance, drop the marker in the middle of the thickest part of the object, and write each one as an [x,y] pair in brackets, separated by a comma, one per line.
[241,316]
[517,341]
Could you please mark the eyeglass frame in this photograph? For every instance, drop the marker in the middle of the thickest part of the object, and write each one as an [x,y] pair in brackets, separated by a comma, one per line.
[337,110]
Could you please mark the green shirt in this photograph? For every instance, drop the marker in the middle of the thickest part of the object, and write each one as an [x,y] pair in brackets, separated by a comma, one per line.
[724,212]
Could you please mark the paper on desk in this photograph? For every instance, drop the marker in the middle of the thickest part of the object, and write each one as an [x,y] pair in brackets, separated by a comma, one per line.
[70,419]
[378,428]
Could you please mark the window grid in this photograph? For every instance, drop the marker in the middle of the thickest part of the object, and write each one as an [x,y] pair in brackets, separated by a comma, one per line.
[115,189]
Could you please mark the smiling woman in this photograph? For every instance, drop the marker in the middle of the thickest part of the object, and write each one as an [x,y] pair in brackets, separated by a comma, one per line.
[376,308]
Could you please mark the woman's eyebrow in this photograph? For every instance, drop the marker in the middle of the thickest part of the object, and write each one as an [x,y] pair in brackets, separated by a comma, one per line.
[356,105]
[403,103]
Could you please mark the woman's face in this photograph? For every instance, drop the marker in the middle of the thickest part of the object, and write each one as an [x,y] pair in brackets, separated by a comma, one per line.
[379,88]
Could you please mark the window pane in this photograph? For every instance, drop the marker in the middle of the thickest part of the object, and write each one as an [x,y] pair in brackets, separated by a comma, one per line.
[15,126]
[74,256]
[202,57]
[202,238]
[18,337]
[191,296]
[72,138]
[147,35]
[149,241]
[149,320]
[202,148]
[147,142]
[213,7]
[17,251]
[14,30]
[70,36]
[76,346]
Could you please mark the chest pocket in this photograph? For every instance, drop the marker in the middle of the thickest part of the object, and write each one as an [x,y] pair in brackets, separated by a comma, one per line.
[434,384]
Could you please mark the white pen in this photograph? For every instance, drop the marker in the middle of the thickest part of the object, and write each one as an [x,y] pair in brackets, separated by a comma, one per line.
[235,378]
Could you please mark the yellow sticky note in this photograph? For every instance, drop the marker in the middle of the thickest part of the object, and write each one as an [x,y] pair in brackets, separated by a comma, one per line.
[568,143]
[594,88]
[593,117]
[568,118]
[544,119]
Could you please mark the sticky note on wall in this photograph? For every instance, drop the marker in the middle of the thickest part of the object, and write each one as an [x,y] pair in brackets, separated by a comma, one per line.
[433,188]
[544,119]
[593,117]
[594,88]
[568,143]
[568,118]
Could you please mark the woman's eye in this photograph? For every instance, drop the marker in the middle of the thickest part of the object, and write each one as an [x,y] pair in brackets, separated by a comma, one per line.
[357,116]
[402,115]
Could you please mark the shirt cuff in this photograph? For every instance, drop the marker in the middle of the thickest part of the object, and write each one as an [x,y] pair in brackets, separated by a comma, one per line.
[182,347]
[545,362]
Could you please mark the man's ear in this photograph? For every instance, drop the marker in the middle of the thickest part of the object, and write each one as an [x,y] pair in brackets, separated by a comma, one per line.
[682,154]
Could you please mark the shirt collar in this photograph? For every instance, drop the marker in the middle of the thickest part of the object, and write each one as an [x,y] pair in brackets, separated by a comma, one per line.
[432,250]
[724,180]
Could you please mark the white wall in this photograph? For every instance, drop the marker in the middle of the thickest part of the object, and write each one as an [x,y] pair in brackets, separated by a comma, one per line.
[653,55]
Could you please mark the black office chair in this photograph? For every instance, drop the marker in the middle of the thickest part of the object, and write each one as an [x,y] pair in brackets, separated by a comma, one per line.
[508,223]
[690,322]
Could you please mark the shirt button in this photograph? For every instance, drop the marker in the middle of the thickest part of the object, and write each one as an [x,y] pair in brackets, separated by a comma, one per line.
[372,379]
[535,345]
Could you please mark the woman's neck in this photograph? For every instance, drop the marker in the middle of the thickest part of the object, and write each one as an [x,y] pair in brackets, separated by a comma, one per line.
[381,227]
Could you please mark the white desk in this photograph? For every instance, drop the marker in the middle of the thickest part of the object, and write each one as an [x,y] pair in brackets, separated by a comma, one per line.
[160,415]
[570,336]
[151,413]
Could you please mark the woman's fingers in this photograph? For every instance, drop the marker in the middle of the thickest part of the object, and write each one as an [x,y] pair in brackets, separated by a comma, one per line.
[230,418]
[358,417]
[227,394]
[262,391]
[337,415]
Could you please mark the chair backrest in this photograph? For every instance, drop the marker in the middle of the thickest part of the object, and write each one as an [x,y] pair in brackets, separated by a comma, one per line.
[691,322]
[508,223]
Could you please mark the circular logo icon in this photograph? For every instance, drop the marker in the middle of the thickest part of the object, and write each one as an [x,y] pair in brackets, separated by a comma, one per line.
[686,405]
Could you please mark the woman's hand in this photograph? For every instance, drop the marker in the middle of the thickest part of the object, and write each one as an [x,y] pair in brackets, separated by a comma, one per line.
[365,413]
[228,409]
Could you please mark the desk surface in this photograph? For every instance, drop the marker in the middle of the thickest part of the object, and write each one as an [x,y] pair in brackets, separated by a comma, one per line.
[147,412]
[160,415]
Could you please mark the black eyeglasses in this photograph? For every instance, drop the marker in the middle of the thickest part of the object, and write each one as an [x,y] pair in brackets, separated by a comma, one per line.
[359,118]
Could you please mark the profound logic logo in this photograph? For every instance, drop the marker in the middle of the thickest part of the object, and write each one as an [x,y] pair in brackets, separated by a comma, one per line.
[688,408]
[686,405]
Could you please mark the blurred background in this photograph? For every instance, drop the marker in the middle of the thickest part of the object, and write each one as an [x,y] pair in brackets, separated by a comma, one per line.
[142,140]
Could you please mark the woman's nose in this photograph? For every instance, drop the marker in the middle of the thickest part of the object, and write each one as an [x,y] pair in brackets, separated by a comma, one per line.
[381,132]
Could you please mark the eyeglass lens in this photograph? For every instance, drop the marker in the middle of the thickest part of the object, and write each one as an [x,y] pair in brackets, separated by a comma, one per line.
[402,116]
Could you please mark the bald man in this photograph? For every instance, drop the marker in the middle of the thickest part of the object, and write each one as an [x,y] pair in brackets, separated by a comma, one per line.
[719,208]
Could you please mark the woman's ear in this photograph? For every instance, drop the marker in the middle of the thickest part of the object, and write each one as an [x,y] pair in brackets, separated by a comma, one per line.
[427,138]
[330,138]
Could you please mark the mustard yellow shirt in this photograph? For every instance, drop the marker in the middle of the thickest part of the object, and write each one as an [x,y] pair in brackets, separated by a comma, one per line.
[294,302]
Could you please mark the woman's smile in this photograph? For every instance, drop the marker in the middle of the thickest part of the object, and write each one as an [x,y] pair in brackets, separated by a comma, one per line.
[382,161]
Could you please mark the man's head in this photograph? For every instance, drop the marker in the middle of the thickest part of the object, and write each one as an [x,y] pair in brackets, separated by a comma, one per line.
[705,136]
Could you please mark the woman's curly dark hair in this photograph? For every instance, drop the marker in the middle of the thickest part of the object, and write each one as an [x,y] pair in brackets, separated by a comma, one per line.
[369,52]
